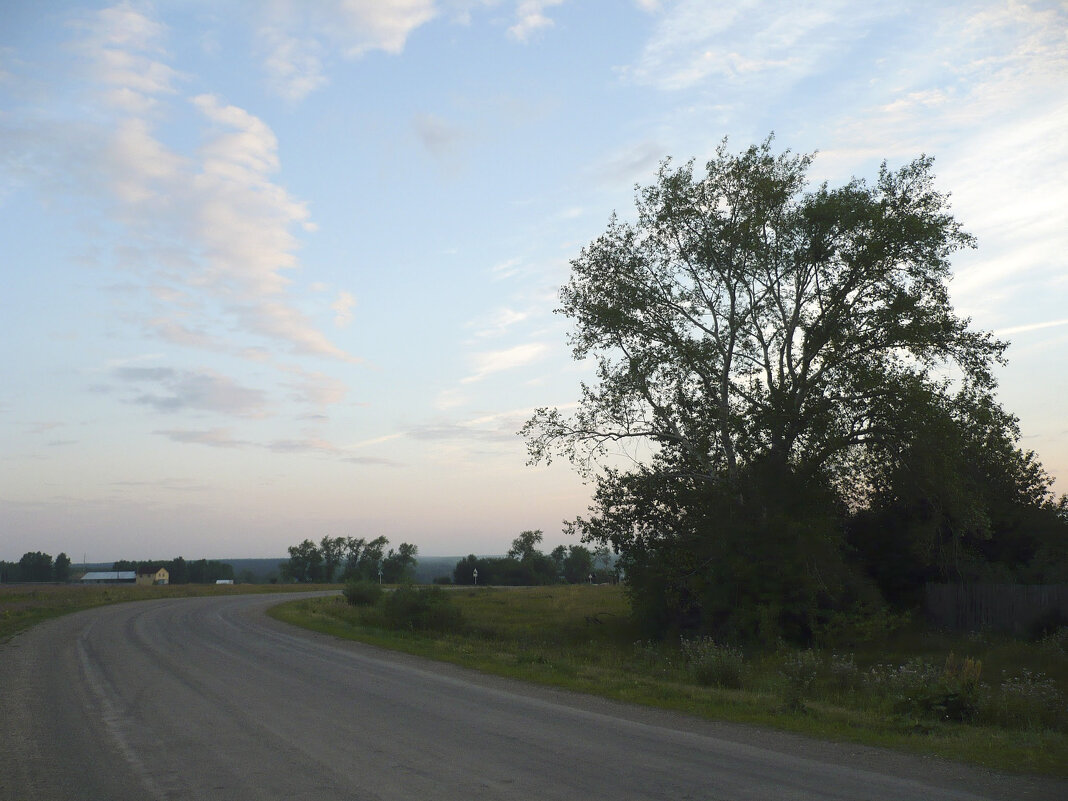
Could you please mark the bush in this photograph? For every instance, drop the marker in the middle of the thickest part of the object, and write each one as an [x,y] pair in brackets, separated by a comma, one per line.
[421,609]
[1046,624]
[952,693]
[800,669]
[362,593]
[1027,701]
[714,665]
[843,675]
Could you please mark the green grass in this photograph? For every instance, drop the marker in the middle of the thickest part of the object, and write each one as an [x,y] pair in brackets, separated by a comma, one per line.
[580,638]
[23,605]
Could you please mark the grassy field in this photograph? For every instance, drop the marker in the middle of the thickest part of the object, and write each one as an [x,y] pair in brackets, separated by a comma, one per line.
[988,700]
[23,605]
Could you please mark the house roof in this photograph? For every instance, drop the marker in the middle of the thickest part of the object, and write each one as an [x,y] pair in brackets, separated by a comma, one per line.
[109,575]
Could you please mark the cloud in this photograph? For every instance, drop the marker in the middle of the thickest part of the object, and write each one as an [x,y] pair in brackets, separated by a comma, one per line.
[297,36]
[441,138]
[983,89]
[506,269]
[42,427]
[214,437]
[496,361]
[451,431]
[747,43]
[317,389]
[530,18]
[222,438]
[450,399]
[178,334]
[500,427]
[204,390]
[372,460]
[304,445]
[635,162]
[1022,329]
[343,306]
[207,234]
[280,321]
[497,323]
[293,64]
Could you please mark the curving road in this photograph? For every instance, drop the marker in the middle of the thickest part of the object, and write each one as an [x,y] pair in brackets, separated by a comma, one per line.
[207,698]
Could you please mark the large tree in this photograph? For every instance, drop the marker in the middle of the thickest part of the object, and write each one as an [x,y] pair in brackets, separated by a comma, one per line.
[767,355]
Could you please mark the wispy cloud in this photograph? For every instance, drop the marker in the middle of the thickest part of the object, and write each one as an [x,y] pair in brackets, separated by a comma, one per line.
[745,42]
[531,18]
[208,235]
[983,89]
[304,445]
[293,64]
[343,307]
[442,139]
[214,437]
[1023,329]
[630,164]
[298,36]
[498,322]
[203,390]
[495,361]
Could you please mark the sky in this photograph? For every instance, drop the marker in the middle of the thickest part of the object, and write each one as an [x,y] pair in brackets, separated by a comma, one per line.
[283,269]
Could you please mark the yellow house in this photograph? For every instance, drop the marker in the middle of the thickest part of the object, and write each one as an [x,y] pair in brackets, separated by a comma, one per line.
[148,576]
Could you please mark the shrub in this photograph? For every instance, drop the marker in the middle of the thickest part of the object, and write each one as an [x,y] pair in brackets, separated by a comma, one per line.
[1056,643]
[843,674]
[800,669]
[714,665]
[950,694]
[421,609]
[846,629]
[1028,700]
[1049,622]
[362,593]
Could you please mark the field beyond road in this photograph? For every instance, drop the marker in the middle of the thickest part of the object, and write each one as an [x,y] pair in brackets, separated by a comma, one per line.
[987,700]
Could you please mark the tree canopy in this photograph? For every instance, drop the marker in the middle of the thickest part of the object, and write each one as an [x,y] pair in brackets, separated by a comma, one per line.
[775,358]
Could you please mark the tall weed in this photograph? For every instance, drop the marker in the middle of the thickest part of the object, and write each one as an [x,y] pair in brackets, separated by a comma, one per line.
[713,665]
[800,669]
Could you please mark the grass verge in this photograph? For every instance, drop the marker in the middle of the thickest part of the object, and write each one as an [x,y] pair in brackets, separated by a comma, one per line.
[990,701]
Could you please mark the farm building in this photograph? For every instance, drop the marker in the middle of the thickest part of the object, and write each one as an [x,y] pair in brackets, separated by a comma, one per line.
[109,577]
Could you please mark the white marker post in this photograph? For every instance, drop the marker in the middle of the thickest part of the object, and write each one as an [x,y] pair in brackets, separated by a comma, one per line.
[474,575]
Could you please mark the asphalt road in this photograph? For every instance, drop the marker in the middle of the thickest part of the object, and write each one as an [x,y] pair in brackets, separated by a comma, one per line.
[207,698]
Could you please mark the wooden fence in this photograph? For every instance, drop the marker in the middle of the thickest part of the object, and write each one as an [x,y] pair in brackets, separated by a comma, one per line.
[1011,608]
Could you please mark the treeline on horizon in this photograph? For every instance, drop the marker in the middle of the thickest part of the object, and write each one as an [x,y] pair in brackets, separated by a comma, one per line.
[525,565]
[36,566]
[349,559]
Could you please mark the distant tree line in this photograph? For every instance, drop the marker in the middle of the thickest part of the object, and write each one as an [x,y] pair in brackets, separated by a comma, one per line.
[35,566]
[525,565]
[38,566]
[349,559]
[201,571]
